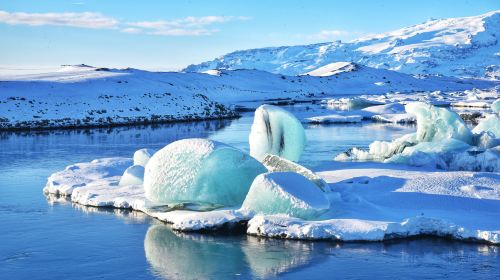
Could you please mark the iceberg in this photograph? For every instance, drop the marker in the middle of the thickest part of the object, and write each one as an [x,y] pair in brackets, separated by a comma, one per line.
[491,123]
[276,131]
[142,156]
[496,106]
[286,193]
[435,124]
[134,175]
[200,171]
[442,140]
[277,164]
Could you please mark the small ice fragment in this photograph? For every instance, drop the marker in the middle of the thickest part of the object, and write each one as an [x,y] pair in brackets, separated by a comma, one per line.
[491,123]
[334,119]
[276,131]
[142,156]
[275,163]
[286,193]
[134,175]
[496,106]
[200,171]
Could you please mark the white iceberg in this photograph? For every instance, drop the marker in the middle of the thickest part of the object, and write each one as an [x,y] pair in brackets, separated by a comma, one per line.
[442,140]
[134,175]
[491,123]
[142,156]
[200,171]
[435,124]
[286,193]
[276,131]
[496,106]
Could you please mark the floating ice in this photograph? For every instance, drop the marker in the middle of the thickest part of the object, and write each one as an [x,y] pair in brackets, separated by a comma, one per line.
[142,156]
[435,124]
[496,106]
[490,123]
[276,131]
[334,119]
[201,171]
[277,164]
[286,193]
[134,175]
[442,140]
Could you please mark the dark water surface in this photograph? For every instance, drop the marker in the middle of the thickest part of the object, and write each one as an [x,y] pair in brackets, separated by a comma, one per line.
[45,239]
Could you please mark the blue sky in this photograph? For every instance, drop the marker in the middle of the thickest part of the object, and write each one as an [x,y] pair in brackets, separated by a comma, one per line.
[172,34]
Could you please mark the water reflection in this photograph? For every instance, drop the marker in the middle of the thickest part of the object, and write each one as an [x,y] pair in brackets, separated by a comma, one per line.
[174,255]
[192,256]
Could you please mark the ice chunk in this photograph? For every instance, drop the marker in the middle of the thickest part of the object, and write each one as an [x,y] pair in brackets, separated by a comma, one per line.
[496,106]
[277,164]
[490,123]
[134,175]
[286,193]
[334,119]
[442,140]
[142,156]
[434,124]
[276,131]
[202,171]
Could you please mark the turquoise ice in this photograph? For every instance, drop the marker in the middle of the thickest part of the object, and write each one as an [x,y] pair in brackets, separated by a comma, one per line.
[200,171]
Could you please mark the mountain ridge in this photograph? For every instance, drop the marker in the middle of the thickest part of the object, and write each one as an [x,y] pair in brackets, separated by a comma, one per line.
[460,47]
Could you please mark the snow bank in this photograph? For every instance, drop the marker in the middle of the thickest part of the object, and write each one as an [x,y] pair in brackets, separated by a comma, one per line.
[276,131]
[286,193]
[202,171]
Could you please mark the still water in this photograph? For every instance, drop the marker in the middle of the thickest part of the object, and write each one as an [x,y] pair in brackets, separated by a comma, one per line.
[44,239]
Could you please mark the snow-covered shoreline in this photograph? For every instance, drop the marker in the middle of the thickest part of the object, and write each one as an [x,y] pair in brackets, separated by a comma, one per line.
[85,96]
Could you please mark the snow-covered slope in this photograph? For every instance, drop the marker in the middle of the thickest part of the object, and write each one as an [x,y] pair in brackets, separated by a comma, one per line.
[86,96]
[452,47]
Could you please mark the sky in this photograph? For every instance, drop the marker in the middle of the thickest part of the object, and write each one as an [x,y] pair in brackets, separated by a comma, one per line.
[169,35]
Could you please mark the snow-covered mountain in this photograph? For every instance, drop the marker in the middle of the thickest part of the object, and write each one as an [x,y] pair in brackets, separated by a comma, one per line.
[463,47]
[87,96]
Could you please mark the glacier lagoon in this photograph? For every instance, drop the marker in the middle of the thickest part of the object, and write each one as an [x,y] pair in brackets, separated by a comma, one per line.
[69,240]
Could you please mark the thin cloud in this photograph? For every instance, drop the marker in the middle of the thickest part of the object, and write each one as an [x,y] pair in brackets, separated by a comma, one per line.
[82,20]
[188,26]
[330,34]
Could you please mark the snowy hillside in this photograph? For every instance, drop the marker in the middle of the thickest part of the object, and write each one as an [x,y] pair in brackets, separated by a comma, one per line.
[87,96]
[464,47]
